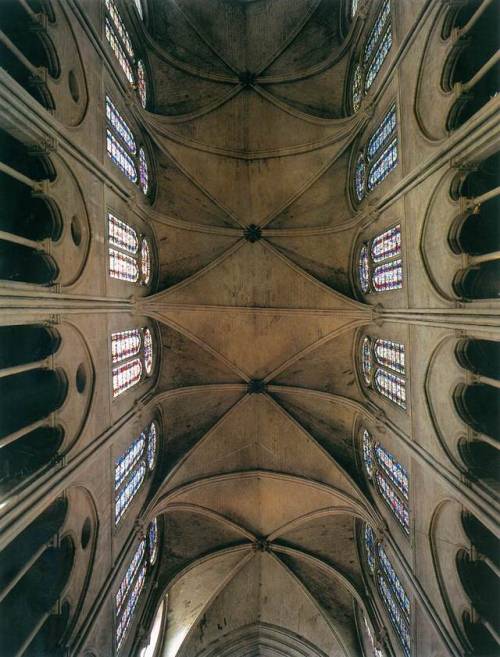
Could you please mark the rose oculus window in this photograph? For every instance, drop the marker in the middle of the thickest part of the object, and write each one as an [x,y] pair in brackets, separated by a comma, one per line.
[380,266]
[132,354]
[389,476]
[120,41]
[390,589]
[132,467]
[122,148]
[129,253]
[383,368]
[377,47]
[132,584]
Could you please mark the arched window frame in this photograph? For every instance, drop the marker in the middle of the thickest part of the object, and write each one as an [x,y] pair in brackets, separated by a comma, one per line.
[131,365]
[389,477]
[123,150]
[377,157]
[383,368]
[120,42]
[380,262]
[377,45]
[129,252]
[133,467]
[132,586]
[390,589]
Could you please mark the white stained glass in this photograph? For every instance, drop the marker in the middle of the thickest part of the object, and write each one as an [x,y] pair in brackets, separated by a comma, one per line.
[152,443]
[378,60]
[354,7]
[368,453]
[123,266]
[138,5]
[120,27]
[366,360]
[126,376]
[120,157]
[143,171]
[125,344]
[387,244]
[129,576]
[119,125]
[383,165]
[121,235]
[127,461]
[129,491]
[148,351]
[377,29]
[382,133]
[388,276]
[391,386]
[390,354]
[153,541]
[145,262]
[120,55]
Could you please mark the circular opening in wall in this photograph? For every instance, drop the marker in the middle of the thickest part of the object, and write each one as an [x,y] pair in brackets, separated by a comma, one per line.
[81,378]
[76,231]
[74,87]
[86,533]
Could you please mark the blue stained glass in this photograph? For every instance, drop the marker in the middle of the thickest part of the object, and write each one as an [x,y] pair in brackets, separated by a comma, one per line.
[397,473]
[360,177]
[121,235]
[125,463]
[129,490]
[148,351]
[120,157]
[378,60]
[395,615]
[366,360]
[393,580]
[364,269]
[390,354]
[391,386]
[120,126]
[387,244]
[129,577]
[383,165]
[368,452]
[377,30]
[152,442]
[396,505]
[125,344]
[382,133]
[141,83]
[388,276]
[123,267]
[120,27]
[143,171]
[125,619]
[370,547]
[120,55]
[153,540]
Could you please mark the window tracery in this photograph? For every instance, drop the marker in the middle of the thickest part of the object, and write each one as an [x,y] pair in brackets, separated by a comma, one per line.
[390,588]
[380,361]
[379,267]
[132,584]
[378,157]
[134,264]
[136,347]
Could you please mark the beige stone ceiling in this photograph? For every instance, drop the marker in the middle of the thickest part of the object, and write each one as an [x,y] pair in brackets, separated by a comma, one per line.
[258,387]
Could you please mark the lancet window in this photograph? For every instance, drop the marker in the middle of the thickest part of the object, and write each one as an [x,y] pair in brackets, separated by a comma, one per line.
[129,254]
[120,41]
[378,157]
[380,266]
[132,354]
[132,584]
[122,149]
[131,469]
[377,47]
[389,477]
[392,592]
[383,368]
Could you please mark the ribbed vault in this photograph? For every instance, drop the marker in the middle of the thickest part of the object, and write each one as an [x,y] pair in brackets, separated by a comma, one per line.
[258,321]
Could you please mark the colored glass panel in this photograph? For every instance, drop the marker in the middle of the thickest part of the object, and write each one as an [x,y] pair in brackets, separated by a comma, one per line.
[364,269]
[129,577]
[396,505]
[152,443]
[377,30]
[397,473]
[366,360]
[141,83]
[393,580]
[153,540]
[381,168]
[395,614]
[370,547]
[145,262]
[391,386]
[126,462]
[388,276]
[390,354]
[382,133]
[119,52]
[360,177]
[129,490]
[143,171]
[126,616]
[354,7]
[120,26]
[387,244]
[121,235]
[120,157]
[148,351]
[125,344]
[119,125]
[378,60]
[126,376]
[357,88]
[123,267]
[368,452]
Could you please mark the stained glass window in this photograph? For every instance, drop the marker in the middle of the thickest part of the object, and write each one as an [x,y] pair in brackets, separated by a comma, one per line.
[123,267]
[364,269]
[143,171]
[125,376]
[126,462]
[360,177]
[390,354]
[394,581]
[119,26]
[122,235]
[382,167]
[378,60]
[387,244]
[127,614]
[153,540]
[388,276]
[357,87]
[119,125]
[368,452]
[129,490]
[148,351]
[152,442]
[397,473]
[395,614]
[391,386]
[393,501]
[377,29]
[145,262]
[141,83]
[125,344]
[120,157]
[366,360]
[382,133]
[370,547]
[129,577]
[119,52]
